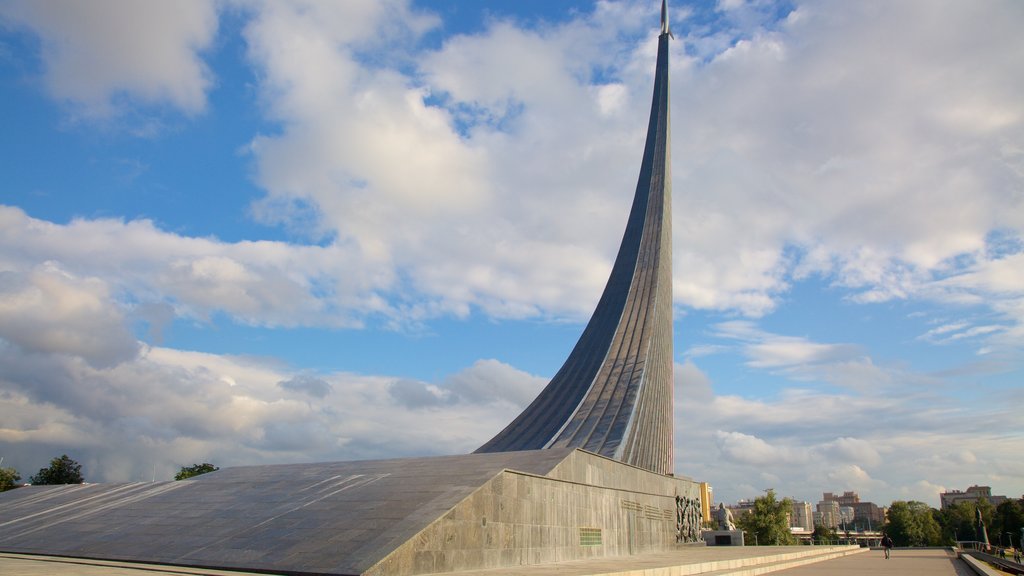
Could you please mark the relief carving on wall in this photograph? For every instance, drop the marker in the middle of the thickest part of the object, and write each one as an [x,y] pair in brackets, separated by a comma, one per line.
[688,519]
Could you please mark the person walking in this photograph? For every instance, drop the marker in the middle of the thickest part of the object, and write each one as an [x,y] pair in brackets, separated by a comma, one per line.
[887,544]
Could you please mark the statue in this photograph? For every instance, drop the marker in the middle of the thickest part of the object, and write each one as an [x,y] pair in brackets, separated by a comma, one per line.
[724,517]
[981,534]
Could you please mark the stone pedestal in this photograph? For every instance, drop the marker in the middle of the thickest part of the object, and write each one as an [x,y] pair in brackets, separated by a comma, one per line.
[723,537]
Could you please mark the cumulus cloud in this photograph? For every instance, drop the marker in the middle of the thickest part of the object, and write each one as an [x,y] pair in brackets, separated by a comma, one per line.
[488,381]
[854,477]
[746,449]
[855,451]
[95,53]
[693,387]
[306,384]
[73,378]
[844,365]
[46,310]
[415,394]
[485,382]
[256,283]
[884,445]
[792,156]
[168,408]
[861,161]
[469,215]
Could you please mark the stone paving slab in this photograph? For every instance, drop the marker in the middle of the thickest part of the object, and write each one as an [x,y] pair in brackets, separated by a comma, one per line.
[697,560]
[685,561]
[873,562]
[903,562]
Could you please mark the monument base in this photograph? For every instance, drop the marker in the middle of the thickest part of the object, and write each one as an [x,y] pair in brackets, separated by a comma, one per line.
[397,517]
[723,537]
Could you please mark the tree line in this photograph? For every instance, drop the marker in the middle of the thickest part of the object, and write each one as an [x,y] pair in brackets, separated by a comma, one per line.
[908,523]
[64,470]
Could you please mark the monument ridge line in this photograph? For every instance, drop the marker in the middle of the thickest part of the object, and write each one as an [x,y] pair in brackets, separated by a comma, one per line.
[613,395]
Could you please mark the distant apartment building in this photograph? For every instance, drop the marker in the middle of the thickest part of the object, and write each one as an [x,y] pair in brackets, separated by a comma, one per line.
[972,494]
[741,507]
[827,514]
[802,516]
[847,499]
[707,501]
[866,515]
[846,517]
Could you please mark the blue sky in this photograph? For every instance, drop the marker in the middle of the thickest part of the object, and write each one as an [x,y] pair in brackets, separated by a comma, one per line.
[259,233]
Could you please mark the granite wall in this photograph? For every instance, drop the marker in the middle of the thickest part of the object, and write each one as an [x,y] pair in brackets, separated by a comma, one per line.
[587,507]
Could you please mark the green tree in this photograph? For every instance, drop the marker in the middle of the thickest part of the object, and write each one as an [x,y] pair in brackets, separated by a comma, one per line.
[62,470]
[1007,521]
[8,479]
[912,524]
[767,524]
[195,470]
[956,522]
[824,535]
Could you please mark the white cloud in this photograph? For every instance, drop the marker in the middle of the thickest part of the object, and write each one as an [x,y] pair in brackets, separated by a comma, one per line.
[882,168]
[489,381]
[790,138]
[842,365]
[890,433]
[751,450]
[454,169]
[96,52]
[855,451]
[307,384]
[48,310]
[169,408]
[792,351]
[468,215]
[257,283]
[853,477]
[692,386]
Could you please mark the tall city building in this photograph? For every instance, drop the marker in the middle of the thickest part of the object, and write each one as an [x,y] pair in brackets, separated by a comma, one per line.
[864,515]
[707,498]
[828,514]
[802,516]
[848,498]
[613,395]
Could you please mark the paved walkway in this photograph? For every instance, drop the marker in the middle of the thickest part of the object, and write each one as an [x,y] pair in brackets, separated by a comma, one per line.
[685,561]
[908,562]
[710,561]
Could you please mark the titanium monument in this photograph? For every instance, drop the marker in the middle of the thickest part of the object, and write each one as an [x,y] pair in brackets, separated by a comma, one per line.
[613,395]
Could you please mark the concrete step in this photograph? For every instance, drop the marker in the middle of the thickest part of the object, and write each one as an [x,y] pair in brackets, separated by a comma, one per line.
[685,561]
[774,563]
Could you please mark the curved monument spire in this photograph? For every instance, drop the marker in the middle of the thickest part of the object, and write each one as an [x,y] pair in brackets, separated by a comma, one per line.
[613,395]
